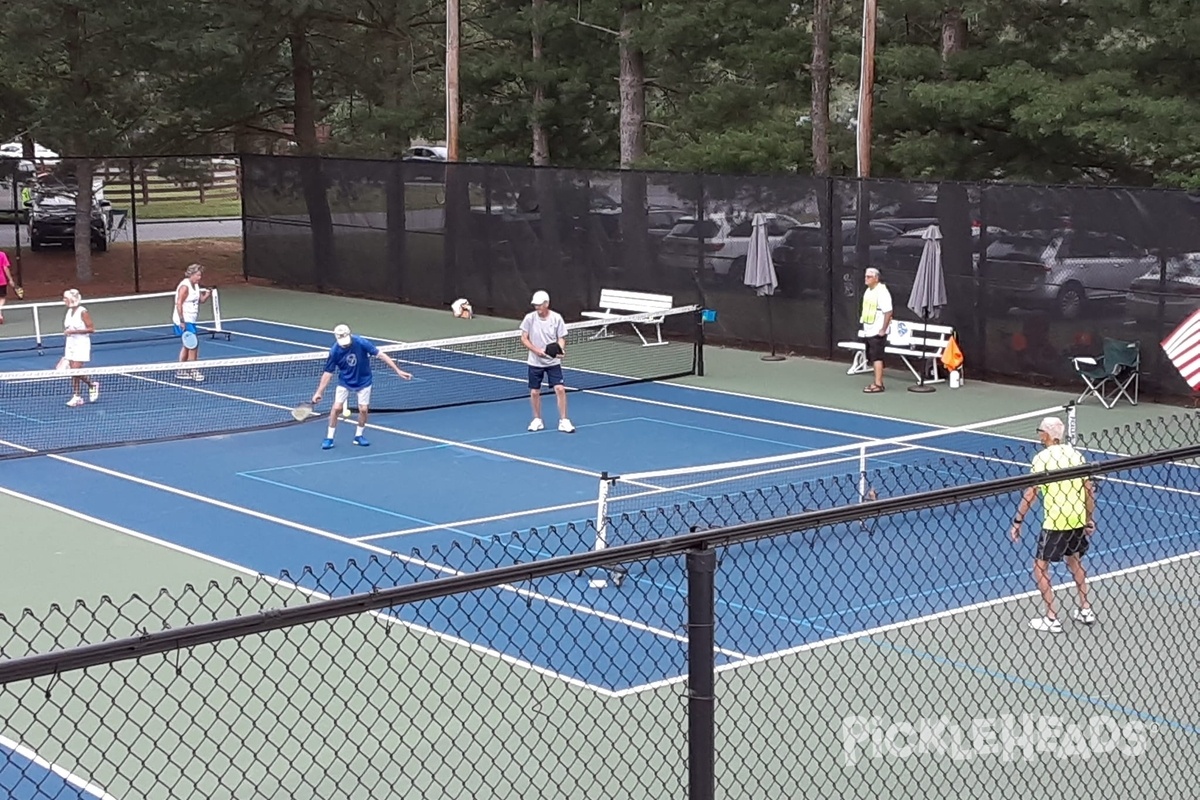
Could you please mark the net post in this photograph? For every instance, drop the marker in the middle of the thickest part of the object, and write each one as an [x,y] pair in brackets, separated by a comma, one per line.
[862,474]
[698,359]
[701,569]
[601,542]
[1072,423]
[216,306]
[37,327]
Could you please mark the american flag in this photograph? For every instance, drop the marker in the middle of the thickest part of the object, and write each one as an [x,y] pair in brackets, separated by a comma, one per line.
[1183,348]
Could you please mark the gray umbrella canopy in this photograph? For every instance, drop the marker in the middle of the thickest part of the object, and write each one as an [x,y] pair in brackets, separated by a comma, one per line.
[760,270]
[929,289]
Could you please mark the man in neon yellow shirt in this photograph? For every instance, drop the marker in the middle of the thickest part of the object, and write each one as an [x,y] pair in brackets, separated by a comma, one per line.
[876,318]
[1067,525]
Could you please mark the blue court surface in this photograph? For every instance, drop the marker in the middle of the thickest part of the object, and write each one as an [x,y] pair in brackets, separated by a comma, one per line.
[452,490]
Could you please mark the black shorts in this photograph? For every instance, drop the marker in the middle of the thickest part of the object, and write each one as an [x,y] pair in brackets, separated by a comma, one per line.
[552,374]
[875,345]
[4,290]
[1055,545]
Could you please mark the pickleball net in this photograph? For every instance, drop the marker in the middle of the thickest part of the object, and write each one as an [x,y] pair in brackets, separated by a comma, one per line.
[128,319]
[630,506]
[158,402]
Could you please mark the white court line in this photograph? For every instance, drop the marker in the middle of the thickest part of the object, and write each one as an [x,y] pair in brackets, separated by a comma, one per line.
[74,780]
[386,618]
[438,568]
[907,623]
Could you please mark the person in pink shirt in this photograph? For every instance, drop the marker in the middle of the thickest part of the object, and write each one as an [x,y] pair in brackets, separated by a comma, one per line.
[6,280]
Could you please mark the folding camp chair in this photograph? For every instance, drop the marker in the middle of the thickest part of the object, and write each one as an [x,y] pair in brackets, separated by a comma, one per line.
[1113,375]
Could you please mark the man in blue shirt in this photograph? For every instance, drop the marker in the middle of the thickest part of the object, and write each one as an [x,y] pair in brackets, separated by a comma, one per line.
[350,357]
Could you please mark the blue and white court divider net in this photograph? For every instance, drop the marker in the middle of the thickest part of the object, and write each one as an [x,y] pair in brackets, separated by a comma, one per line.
[38,326]
[238,394]
[920,462]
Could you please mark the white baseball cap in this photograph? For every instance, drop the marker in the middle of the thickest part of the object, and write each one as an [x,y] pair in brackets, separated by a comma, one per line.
[1053,427]
[540,298]
[342,334]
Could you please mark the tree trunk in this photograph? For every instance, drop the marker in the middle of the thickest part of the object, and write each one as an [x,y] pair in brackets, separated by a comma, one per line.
[632,88]
[83,219]
[541,139]
[73,22]
[820,87]
[304,122]
[954,35]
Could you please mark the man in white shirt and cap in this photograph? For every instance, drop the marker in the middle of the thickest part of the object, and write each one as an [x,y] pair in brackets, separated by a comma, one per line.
[544,334]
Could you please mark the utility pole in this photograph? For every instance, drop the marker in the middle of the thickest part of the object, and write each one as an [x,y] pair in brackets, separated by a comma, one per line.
[453,33]
[866,89]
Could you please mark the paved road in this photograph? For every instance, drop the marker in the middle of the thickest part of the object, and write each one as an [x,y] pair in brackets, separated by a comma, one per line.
[153,231]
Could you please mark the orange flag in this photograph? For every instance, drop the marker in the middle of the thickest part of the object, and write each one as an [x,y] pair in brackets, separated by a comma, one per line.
[952,357]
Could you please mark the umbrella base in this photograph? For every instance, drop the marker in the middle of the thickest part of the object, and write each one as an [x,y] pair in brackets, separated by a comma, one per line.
[773,357]
[922,388]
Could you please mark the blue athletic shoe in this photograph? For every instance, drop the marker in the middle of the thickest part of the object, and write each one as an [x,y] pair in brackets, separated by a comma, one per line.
[361,441]
[327,444]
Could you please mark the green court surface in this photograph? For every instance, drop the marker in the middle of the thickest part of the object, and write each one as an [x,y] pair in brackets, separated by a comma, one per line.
[372,708]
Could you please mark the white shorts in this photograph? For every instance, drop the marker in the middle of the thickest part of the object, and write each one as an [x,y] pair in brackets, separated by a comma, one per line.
[78,349]
[342,394]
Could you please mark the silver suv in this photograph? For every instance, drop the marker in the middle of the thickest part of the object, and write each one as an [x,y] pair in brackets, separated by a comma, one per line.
[719,241]
[1064,269]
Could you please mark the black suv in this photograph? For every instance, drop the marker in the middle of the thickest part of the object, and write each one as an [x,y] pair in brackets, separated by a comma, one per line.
[52,220]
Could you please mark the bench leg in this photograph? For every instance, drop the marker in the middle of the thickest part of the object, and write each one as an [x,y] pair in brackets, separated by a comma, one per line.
[603,333]
[935,377]
[859,364]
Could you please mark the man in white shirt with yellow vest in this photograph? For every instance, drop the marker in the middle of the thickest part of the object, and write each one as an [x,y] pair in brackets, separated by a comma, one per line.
[1067,523]
[876,319]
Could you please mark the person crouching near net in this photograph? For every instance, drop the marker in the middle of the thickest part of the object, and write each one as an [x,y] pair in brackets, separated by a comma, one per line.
[184,316]
[77,331]
[350,357]
[544,335]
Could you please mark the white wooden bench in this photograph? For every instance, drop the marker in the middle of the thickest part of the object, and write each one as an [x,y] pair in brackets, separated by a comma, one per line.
[613,301]
[913,342]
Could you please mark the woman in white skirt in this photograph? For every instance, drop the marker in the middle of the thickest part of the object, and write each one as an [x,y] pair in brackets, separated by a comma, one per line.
[78,330]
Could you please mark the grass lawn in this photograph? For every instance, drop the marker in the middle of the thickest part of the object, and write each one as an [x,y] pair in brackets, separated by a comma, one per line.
[190,208]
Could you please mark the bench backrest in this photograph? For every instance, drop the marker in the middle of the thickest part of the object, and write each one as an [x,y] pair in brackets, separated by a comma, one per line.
[637,302]
[919,335]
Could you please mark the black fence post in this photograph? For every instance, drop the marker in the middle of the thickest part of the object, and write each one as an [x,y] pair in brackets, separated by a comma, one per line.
[826,215]
[137,269]
[701,566]
[18,210]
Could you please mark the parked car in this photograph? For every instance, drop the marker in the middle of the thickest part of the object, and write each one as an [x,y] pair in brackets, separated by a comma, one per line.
[426,153]
[1179,295]
[1064,270]
[800,260]
[51,220]
[721,240]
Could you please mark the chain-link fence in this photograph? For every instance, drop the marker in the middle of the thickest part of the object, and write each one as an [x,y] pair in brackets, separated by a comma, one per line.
[851,649]
[1034,274]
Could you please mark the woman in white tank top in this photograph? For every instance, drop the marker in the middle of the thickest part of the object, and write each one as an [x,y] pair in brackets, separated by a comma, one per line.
[77,331]
[185,314]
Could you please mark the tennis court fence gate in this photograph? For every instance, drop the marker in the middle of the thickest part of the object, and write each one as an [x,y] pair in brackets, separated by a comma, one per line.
[848,651]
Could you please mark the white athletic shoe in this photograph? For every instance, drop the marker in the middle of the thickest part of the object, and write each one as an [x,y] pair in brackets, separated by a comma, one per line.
[565,426]
[93,393]
[75,402]
[183,376]
[1046,624]
[197,376]
[1084,615]
[536,425]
